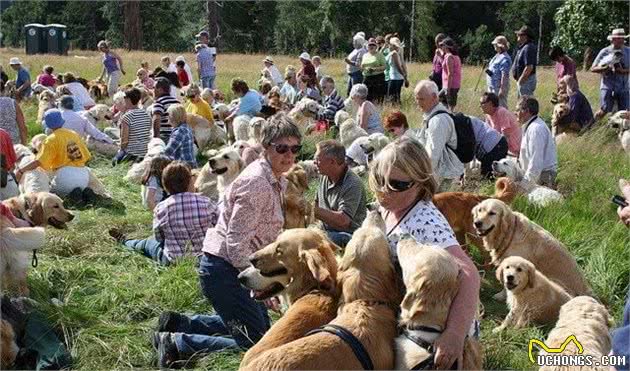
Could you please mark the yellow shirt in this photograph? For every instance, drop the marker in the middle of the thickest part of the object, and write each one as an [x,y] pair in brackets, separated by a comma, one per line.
[201,108]
[63,148]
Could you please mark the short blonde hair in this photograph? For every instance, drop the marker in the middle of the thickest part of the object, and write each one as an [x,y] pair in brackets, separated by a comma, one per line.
[176,114]
[409,156]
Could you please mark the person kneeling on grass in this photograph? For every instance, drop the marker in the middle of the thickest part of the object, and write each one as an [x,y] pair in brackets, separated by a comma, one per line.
[180,144]
[179,222]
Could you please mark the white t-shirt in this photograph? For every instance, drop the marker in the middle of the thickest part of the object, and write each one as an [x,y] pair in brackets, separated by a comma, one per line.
[81,93]
[426,224]
[159,193]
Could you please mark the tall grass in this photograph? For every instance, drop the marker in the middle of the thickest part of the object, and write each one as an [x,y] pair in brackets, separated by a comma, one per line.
[110,299]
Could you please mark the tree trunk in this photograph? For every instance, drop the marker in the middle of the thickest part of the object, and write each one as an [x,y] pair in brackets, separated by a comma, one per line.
[132,32]
[212,9]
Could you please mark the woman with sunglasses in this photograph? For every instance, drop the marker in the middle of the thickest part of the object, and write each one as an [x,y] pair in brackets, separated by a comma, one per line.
[250,219]
[402,180]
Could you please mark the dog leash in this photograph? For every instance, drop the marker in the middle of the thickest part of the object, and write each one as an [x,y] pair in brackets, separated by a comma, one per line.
[357,348]
[429,362]
[34,261]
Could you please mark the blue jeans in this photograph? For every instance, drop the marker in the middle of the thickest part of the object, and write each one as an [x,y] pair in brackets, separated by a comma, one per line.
[608,97]
[527,87]
[354,78]
[150,247]
[393,90]
[237,315]
[340,239]
[207,82]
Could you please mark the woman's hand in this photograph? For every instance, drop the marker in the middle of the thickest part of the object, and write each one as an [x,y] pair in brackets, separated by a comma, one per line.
[273,304]
[449,348]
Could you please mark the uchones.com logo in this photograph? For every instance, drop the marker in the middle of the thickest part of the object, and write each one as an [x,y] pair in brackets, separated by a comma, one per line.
[554,357]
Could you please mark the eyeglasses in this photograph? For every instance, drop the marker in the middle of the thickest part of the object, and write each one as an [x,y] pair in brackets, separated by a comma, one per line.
[284,148]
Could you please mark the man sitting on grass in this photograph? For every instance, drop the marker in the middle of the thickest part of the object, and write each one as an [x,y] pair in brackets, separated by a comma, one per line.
[179,222]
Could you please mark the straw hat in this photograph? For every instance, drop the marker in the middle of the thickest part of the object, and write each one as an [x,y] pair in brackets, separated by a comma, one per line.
[618,33]
[268,59]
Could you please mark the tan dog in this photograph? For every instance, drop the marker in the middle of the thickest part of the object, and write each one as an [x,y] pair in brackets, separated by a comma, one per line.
[349,131]
[531,296]
[508,233]
[226,165]
[298,213]
[431,279]
[304,113]
[560,128]
[205,132]
[368,303]
[99,114]
[40,209]
[46,102]
[589,322]
[16,246]
[301,266]
[36,180]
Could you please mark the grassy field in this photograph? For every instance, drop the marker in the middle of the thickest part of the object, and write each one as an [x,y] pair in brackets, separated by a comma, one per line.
[111,298]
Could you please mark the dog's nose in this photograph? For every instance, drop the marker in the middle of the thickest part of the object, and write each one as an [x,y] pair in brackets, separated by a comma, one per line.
[509,278]
[478,224]
[242,279]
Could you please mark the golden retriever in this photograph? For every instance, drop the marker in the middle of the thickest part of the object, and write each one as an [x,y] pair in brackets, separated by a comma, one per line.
[40,209]
[536,194]
[135,173]
[508,233]
[206,133]
[226,165]
[36,180]
[301,266]
[349,131]
[560,128]
[531,297]
[304,113]
[298,213]
[431,279]
[589,321]
[99,114]
[46,102]
[16,246]
[368,304]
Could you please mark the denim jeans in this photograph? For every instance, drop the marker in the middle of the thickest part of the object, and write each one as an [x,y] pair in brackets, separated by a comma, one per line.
[340,239]
[527,87]
[608,98]
[150,247]
[207,82]
[238,314]
[354,78]
[393,90]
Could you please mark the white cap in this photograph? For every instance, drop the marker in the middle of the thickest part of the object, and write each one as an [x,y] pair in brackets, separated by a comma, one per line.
[14,61]
[180,58]
[306,56]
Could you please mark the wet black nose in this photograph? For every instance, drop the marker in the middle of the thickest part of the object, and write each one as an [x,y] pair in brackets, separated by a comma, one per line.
[478,224]
[242,279]
[509,278]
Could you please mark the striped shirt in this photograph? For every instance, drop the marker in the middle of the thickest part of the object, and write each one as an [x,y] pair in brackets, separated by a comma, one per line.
[332,104]
[139,123]
[160,107]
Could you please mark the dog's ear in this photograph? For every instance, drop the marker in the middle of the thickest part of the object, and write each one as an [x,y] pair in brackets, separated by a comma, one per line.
[499,273]
[302,178]
[318,267]
[35,209]
[531,275]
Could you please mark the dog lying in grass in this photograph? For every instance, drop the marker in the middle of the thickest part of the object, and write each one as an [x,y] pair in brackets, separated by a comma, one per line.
[536,194]
[621,121]
[36,180]
[40,209]
[135,173]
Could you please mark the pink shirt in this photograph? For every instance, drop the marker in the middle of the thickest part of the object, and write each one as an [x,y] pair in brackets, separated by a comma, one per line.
[46,80]
[455,75]
[506,123]
[251,218]
[565,68]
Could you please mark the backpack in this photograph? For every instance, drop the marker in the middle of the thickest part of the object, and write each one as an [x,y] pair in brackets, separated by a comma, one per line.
[466,142]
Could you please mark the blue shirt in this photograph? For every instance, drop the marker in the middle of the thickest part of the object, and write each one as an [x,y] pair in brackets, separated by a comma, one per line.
[249,104]
[525,56]
[180,145]
[206,62]
[499,65]
[614,81]
[22,77]
[486,138]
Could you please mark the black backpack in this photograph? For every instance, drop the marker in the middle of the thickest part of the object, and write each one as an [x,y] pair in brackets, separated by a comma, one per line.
[466,142]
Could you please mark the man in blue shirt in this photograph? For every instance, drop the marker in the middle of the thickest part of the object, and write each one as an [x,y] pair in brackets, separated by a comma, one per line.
[524,70]
[23,80]
[613,63]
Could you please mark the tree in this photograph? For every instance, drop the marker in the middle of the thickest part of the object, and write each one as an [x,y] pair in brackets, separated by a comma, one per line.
[583,24]
[132,34]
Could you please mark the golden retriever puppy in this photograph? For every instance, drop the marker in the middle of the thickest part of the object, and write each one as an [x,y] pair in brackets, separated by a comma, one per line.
[589,322]
[40,209]
[298,213]
[349,131]
[508,233]
[301,266]
[46,102]
[431,279]
[531,297]
[16,247]
[368,304]
[226,165]
[36,180]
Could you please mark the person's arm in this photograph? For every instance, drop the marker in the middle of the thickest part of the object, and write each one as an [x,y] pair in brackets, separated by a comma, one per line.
[151,198]
[363,116]
[156,120]
[93,131]
[448,71]
[526,72]
[24,86]
[336,219]
[449,345]
[595,67]
[400,66]
[381,67]
[173,144]
[124,135]
[436,138]
[103,71]
[19,118]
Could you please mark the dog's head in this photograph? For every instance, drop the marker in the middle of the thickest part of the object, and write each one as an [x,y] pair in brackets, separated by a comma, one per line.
[101,112]
[489,215]
[37,141]
[560,110]
[44,208]
[307,107]
[226,162]
[516,273]
[431,280]
[297,176]
[507,167]
[300,260]
[47,96]
[367,271]
[375,143]
[255,129]
[340,117]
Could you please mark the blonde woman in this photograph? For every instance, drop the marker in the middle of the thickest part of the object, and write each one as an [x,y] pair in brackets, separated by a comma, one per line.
[180,144]
[397,71]
[112,66]
[402,180]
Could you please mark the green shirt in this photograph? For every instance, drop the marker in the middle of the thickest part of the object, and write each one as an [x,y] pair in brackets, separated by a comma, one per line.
[348,196]
[373,61]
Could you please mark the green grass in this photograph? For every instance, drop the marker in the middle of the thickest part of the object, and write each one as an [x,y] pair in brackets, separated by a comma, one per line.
[112,298]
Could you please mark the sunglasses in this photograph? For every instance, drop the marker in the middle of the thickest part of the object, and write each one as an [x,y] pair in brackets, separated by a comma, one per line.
[396,185]
[284,148]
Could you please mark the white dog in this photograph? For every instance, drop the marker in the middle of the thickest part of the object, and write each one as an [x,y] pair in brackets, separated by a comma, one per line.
[241,127]
[621,122]
[363,149]
[221,169]
[349,131]
[36,180]
[155,147]
[99,114]
[536,194]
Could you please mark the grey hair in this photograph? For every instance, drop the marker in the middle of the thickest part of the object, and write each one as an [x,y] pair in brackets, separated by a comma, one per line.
[332,149]
[358,42]
[359,91]
[279,126]
[426,86]
[326,80]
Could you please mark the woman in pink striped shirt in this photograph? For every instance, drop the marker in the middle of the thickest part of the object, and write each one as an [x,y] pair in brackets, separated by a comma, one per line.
[503,121]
